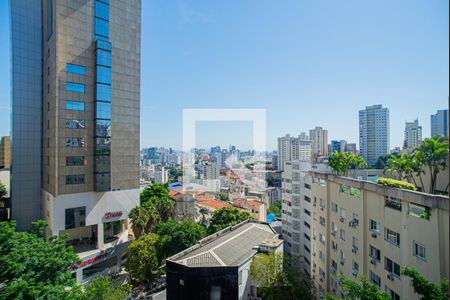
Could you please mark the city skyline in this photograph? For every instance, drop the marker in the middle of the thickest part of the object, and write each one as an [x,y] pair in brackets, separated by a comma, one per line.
[286,70]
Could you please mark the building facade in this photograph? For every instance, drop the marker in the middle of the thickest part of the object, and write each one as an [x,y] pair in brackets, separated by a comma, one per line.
[362,228]
[293,148]
[413,135]
[5,152]
[88,59]
[439,123]
[319,142]
[373,133]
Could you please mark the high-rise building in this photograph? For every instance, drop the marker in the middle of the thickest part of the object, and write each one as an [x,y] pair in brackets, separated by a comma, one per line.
[339,146]
[413,135]
[5,152]
[76,88]
[296,211]
[291,148]
[361,228]
[373,133]
[439,123]
[319,139]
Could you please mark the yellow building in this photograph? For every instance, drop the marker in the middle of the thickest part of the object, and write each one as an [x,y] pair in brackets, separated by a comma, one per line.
[5,152]
[360,227]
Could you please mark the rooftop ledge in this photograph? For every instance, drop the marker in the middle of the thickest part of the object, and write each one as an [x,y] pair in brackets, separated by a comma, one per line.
[420,198]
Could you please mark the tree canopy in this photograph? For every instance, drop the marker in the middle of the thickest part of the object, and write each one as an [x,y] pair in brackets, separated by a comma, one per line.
[103,288]
[424,288]
[34,268]
[225,217]
[343,162]
[275,208]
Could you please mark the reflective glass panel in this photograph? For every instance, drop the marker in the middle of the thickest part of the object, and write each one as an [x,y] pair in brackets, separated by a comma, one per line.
[103,58]
[75,69]
[103,128]
[75,217]
[101,27]
[102,182]
[104,74]
[75,124]
[74,179]
[75,142]
[105,45]
[102,164]
[75,87]
[75,161]
[74,105]
[102,146]
[103,92]
[101,10]
[103,110]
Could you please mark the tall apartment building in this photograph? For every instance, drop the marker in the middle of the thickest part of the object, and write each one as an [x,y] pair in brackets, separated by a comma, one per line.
[439,123]
[293,148]
[373,132]
[296,211]
[413,135]
[5,152]
[362,228]
[319,139]
[339,146]
[75,120]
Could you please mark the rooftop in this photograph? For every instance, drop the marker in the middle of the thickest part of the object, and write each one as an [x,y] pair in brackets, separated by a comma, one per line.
[212,203]
[231,246]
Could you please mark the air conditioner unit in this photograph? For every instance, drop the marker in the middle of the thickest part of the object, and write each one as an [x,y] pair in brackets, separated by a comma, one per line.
[390,276]
[351,224]
[333,233]
[356,222]
[373,261]
[375,232]
[342,219]
[342,261]
[354,250]
[355,273]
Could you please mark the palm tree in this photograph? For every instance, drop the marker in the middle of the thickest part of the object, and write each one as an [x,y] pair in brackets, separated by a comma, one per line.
[432,155]
[356,162]
[203,212]
[164,206]
[139,217]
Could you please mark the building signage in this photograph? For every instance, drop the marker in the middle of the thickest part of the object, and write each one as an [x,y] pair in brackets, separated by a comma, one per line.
[113,214]
[94,259]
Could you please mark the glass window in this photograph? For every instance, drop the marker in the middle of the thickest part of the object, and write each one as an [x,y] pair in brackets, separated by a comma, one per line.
[101,28]
[391,267]
[102,164]
[375,279]
[103,92]
[374,225]
[103,58]
[102,146]
[74,87]
[75,69]
[342,235]
[419,250]
[75,217]
[103,110]
[104,74]
[75,161]
[101,10]
[392,237]
[374,253]
[307,212]
[103,182]
[105,45]
[74,179]
[103,128]
[74,105]
[112,230]
[75,142]
[334,207]
[49,19]
[75,124]
[419,211]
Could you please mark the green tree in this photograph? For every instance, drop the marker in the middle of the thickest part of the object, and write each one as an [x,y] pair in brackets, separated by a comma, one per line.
[424,288]
[342,162]
[278,278]
[103,288]
[362,290]
[382,161]
[177,236]
[225,217]
[32,267]
[275,208]
[142,262]
[432,155]
[139,217]
[157,196]
[203,212]
[3,194]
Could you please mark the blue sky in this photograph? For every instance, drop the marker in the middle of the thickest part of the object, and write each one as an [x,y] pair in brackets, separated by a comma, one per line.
[308,63]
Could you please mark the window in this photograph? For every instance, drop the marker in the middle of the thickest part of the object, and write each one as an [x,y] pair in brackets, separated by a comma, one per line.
[103,58]
[375,279]
[342,235]
[307,212]
[321,256]
[333,228]
[393,202]
[355,266]
[355,219]
[103,110]
[322,182]
[75,142]
[102,10]
[74,87]
[392,237]
[322,221]
[391,267]
[322,203]
[307,225]
[334,246]
[307,199]
[75,161]
[334,264]
[74,105]
[373,225]
[355,243]
[101,28]
[74,179]
[307,237]
[104,74]
[322,238]
[306,248]
[75,69]
[75,124]
[419,250]
[342,257]
[419,211]
[75,217]
[334,207]
[355,192]
[103,92]
[394,295]
[103,128]
[345,189]
[343,214]
[111,230]
[102,146]
[374,253]
[49,19]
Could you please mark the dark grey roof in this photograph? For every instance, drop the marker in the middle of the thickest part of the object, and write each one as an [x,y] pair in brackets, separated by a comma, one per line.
[229,247]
